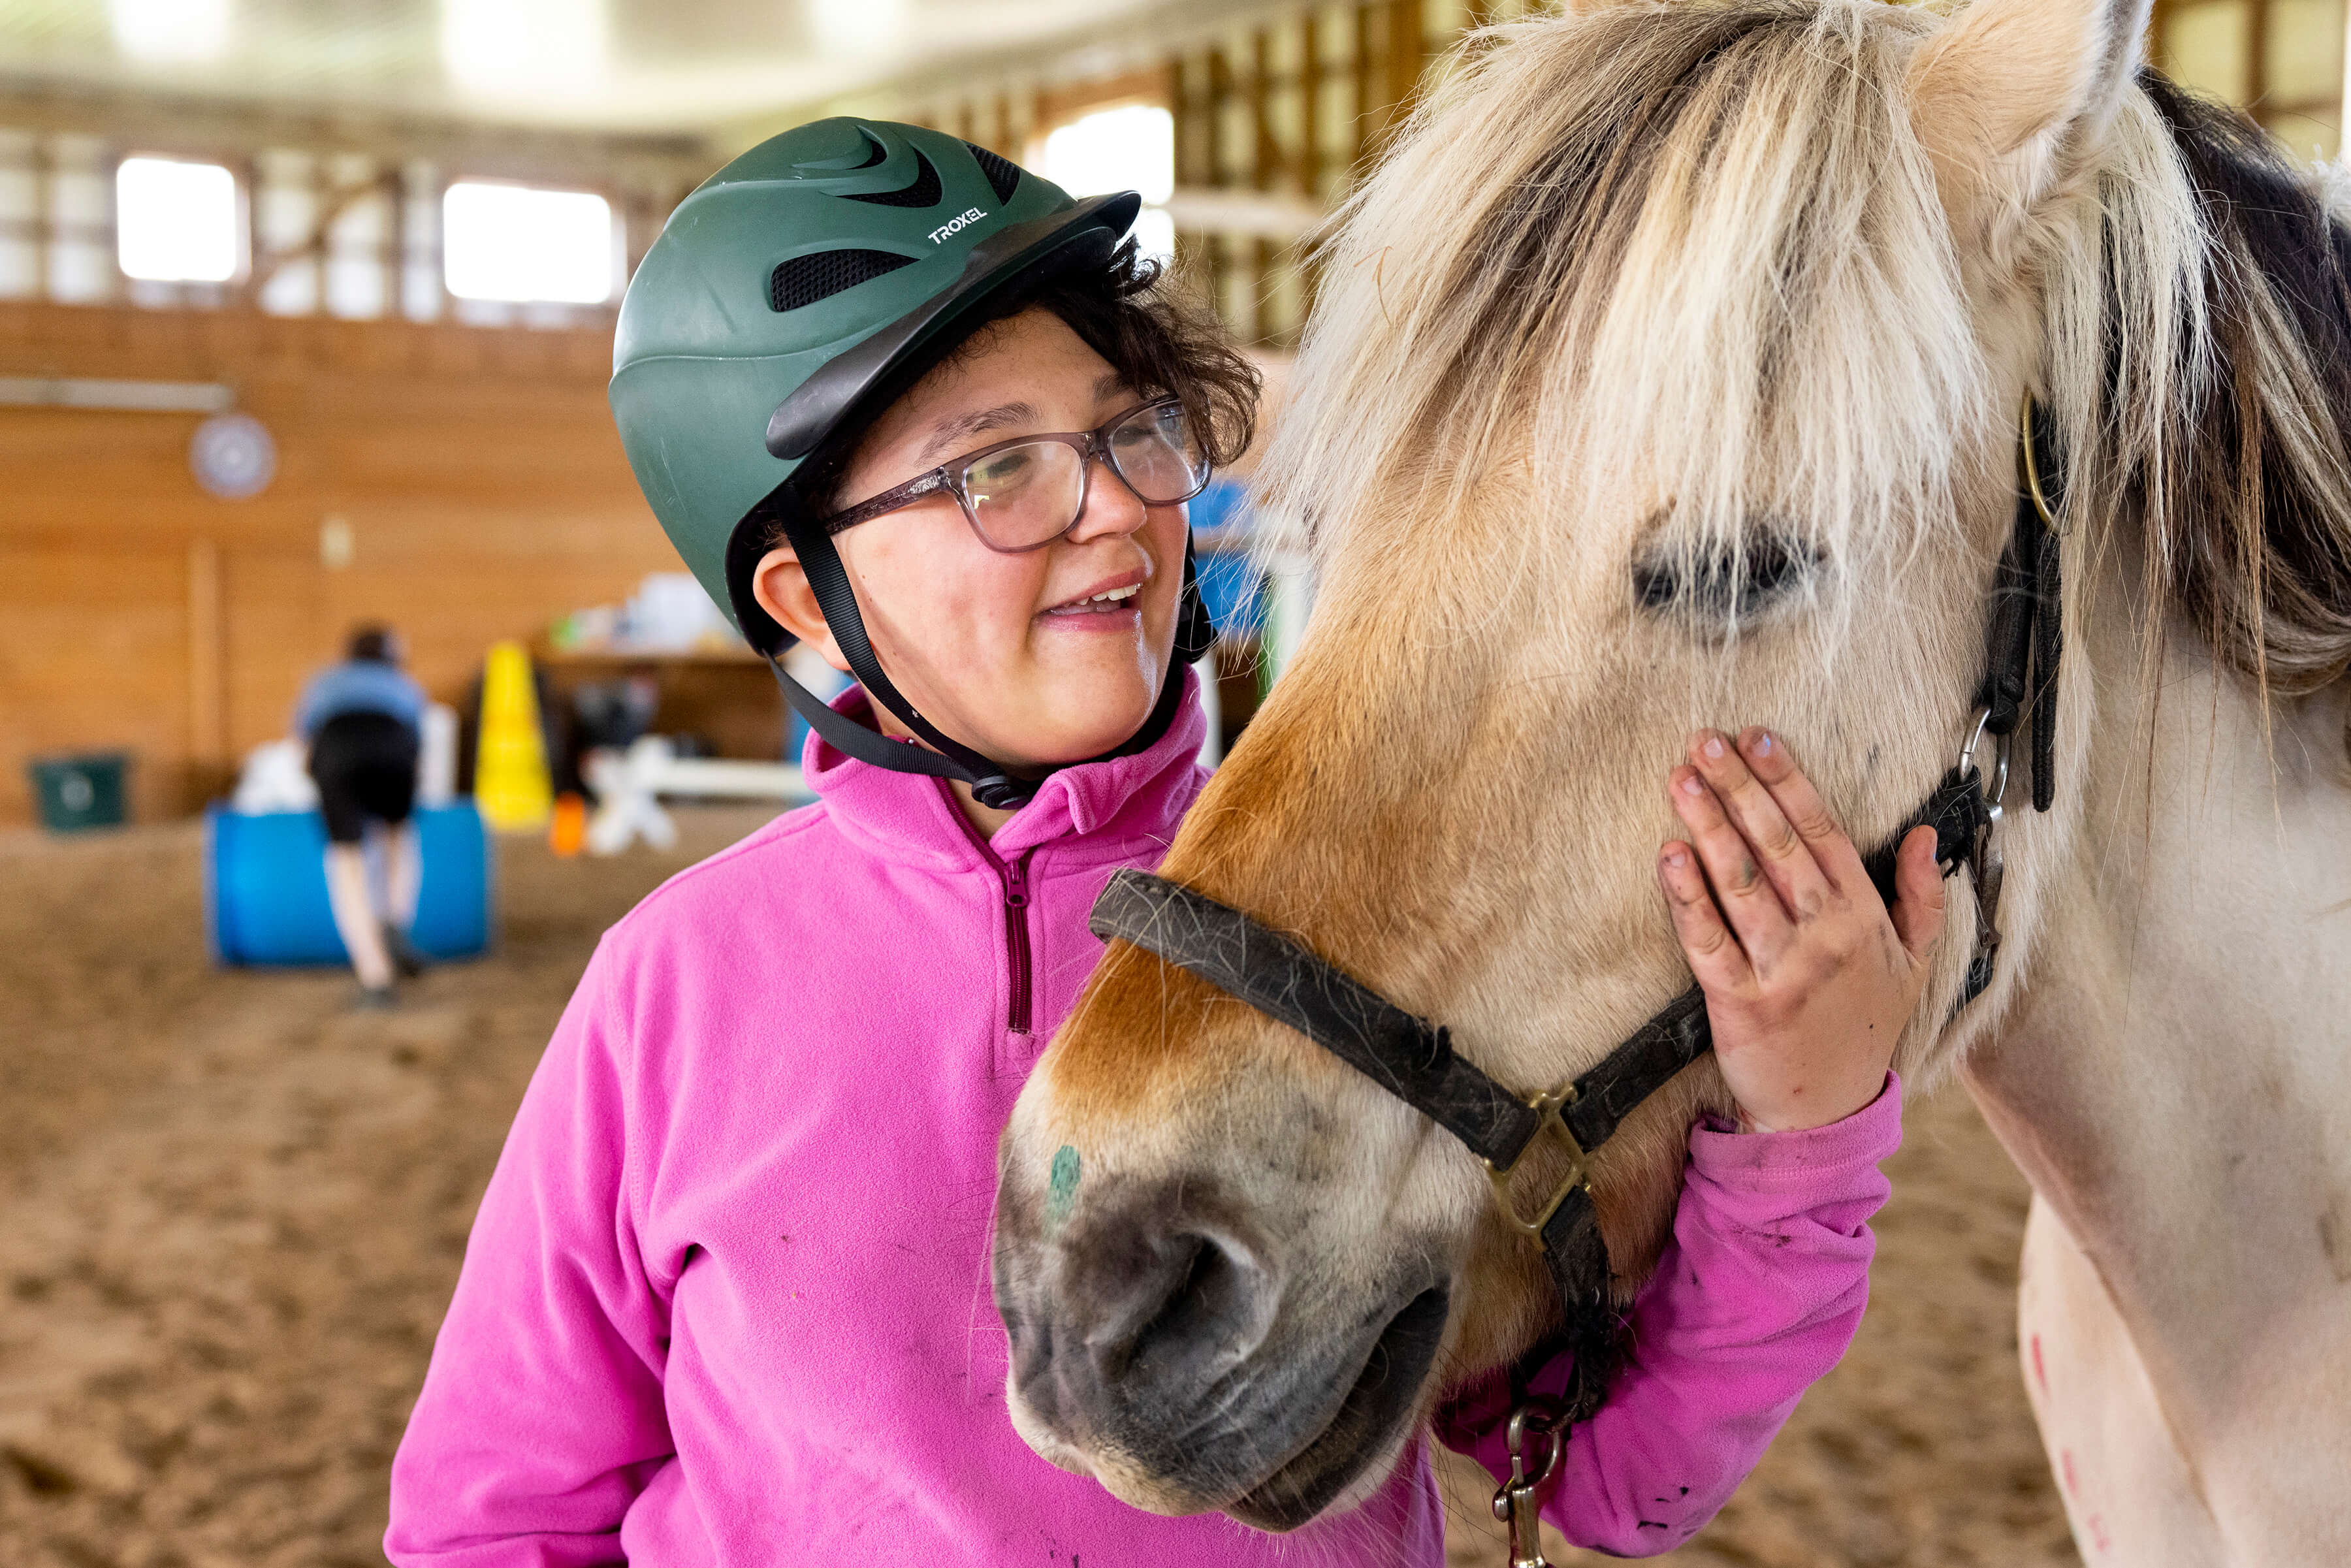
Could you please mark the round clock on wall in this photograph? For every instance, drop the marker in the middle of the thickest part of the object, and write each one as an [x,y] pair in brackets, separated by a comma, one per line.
[233,456]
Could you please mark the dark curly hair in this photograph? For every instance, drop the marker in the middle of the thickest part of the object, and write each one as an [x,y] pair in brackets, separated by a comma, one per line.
[1124,309]
[372,645]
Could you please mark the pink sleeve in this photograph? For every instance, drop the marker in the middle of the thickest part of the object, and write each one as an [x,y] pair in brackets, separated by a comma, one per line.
[1756,1297]
[541,1418]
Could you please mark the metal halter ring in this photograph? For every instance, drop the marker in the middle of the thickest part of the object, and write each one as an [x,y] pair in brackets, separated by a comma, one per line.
[1997,790]
[1549,1109]
[1542,1418]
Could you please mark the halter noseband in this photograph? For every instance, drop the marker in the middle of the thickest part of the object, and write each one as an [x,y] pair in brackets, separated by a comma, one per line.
[1413,1057]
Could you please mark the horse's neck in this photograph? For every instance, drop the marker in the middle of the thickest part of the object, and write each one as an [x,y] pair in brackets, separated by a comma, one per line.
[2176,1076]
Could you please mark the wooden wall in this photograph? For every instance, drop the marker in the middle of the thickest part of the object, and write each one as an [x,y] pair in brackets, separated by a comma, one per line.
[477,470]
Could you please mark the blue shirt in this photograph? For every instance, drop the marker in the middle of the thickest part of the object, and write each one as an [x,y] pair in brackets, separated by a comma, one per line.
[359,685]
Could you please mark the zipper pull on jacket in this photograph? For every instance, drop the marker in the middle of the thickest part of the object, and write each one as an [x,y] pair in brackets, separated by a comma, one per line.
[1016,938]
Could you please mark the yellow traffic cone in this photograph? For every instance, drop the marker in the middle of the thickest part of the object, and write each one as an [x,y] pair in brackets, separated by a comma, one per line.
[510,781]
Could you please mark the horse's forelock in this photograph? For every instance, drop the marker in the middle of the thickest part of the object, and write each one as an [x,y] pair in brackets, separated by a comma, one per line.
[1700,245]
[1698,249]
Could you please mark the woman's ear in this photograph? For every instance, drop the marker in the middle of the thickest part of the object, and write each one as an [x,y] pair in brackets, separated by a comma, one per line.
[781,586]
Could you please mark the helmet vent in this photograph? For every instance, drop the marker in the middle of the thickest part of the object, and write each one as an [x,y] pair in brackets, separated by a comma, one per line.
[1003,174]
[805,279]
[924,192]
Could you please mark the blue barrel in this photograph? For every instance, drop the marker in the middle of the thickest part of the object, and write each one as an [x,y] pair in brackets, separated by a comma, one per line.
[1232,589]
[266,886]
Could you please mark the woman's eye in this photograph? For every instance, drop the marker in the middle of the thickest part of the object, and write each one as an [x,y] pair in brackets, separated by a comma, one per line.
[1000,473]
[1722,586]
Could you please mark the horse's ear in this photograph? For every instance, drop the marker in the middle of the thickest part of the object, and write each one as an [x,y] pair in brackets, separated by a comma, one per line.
[2013,97]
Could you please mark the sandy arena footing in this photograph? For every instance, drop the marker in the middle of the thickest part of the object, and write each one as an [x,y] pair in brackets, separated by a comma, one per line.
[232,1210]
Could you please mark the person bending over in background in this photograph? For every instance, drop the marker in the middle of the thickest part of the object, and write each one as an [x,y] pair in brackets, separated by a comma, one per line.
[363,722]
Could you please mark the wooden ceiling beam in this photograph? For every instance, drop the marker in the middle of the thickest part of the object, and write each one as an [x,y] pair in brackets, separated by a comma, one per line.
[230,132]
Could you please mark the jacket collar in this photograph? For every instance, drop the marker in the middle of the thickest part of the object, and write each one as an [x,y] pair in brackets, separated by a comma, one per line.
[1108,811]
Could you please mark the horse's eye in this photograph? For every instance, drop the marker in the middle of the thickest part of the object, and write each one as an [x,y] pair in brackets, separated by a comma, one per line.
[1721,586]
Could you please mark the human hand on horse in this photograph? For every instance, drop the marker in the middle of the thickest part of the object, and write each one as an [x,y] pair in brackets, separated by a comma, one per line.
[1809,977]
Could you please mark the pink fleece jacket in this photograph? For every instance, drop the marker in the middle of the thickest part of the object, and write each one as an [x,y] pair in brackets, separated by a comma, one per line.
[727,1300]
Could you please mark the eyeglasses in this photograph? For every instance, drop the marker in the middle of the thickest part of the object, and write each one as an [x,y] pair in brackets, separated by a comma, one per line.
[1022,495]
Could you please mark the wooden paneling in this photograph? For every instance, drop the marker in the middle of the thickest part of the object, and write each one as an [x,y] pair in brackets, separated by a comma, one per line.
[2281,60]
[93,649]
[475,470]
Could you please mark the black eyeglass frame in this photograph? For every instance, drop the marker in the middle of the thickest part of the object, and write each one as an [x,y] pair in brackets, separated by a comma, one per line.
[1091,445]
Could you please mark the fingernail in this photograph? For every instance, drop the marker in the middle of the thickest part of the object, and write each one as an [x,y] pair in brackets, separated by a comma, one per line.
[1676,860]
[1764,744]
[1693,785]
[1714,745]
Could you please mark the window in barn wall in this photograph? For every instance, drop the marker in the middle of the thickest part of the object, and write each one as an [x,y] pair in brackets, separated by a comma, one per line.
[176,222]
[80,222]
[286,210]
[2281,59]
[519,254]
[1291,114]
[340,233]
[355,242]
[20,215]
[421,295]
[1130,147]
[1284,115]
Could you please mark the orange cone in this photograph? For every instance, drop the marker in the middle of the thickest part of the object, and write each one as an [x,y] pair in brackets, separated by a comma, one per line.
[569,829]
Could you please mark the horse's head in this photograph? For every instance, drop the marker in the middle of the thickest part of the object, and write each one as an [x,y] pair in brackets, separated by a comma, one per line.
[1665,374]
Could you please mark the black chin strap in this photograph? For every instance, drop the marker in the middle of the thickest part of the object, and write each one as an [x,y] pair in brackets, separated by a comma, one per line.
[991,783]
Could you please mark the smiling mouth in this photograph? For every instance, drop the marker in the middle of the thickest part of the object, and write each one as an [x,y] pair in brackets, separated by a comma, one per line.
[1384,1394]
[1110,601]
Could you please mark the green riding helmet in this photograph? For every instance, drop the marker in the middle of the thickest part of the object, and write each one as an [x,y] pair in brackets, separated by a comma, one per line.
[789,284]
[795,287]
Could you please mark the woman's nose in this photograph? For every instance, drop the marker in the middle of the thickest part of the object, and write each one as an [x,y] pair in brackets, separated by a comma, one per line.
[1110,508]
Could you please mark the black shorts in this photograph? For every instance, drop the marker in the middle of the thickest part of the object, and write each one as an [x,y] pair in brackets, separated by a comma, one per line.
[365,766]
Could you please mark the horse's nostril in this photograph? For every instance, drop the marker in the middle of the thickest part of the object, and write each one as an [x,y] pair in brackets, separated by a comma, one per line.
[1194,1305]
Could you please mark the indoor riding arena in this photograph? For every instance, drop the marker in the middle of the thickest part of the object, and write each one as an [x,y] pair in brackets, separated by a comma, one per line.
[308,314]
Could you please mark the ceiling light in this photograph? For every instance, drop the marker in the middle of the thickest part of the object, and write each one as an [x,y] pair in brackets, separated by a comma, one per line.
[170,32]
[523,45]
[855,26]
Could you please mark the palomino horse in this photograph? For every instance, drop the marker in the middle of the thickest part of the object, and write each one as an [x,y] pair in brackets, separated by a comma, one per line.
[1666,374]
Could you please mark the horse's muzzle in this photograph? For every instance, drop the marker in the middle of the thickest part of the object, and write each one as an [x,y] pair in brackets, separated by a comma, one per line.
[1165,1343]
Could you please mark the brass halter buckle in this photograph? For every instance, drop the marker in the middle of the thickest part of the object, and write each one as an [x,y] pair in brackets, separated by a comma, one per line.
[1549,1109]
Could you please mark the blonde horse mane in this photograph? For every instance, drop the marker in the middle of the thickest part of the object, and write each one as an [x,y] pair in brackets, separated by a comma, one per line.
[1701,245]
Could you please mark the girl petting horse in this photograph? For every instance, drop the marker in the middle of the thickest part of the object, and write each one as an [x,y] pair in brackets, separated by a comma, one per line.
[727,1298]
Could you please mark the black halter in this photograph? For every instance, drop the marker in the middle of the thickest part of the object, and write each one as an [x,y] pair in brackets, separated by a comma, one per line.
[1412,1059]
